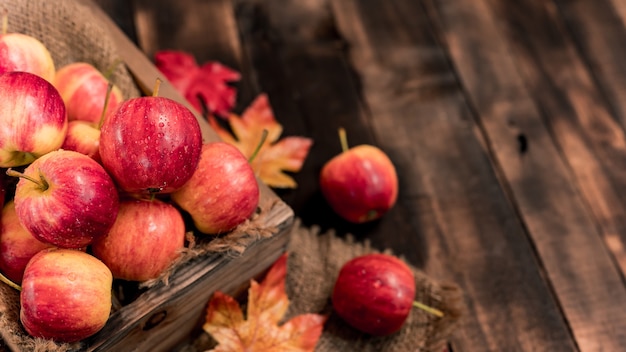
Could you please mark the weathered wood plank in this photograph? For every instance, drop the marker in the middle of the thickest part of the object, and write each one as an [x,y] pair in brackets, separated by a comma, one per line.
[512,96]
[452,214]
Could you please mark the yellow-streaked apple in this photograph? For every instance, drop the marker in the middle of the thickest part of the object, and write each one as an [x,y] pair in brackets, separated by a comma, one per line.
[83,89]
[146,238]
[22,52]
[17,245]
[223,191]
[33,119]
[65,198]
[66,295]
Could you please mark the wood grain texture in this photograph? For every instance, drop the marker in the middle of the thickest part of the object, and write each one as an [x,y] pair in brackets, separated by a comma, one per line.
[472,232]
[509,101]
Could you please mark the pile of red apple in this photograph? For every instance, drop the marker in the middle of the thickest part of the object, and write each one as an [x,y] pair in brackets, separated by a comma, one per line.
[97,186]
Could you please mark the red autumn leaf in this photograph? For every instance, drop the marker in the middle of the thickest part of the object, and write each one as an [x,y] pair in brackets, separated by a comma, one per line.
[205,85]
[275,157]
[260,331]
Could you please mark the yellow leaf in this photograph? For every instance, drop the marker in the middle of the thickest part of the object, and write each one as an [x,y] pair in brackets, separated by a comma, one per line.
[260,332]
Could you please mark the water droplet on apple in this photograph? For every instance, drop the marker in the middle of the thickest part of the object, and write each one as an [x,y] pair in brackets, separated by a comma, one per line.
[71,276]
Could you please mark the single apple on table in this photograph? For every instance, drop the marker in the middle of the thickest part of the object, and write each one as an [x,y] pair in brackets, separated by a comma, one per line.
[66,199]
[66,295]
[360,184]
[22,52]
[17,245]
[146,238]
[33,120]
[83,89]
[222,193]
[374,293]
[150,145]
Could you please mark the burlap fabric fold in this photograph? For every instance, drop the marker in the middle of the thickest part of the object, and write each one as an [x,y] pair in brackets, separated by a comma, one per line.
[313,265]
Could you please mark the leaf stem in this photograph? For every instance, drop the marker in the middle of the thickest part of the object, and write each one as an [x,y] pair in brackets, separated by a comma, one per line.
[343,139]
[428,309]
[42,183]
[258,147]
[10,283]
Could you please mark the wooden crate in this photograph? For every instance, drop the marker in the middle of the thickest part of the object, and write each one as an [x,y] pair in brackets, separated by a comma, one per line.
[164,316]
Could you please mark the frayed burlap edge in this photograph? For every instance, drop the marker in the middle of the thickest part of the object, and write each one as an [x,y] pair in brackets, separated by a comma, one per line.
[232,244]
[312,267]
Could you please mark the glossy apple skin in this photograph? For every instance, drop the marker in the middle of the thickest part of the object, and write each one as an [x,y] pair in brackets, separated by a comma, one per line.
[222,193]
[66,295]
[150,145]
[83,137]
[21,52]
[17,245]
[80,204]
[83,89]
[360,184]
[146,238]
[33,119]
[374,293]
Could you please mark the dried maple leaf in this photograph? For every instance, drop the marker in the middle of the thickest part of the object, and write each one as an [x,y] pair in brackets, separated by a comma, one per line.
[259,331]
[274,157]
[203,86]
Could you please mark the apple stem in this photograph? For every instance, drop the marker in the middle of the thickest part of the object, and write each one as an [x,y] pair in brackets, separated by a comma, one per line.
[343,139]
[107,97]
[42,183]
[258,147]
[5,21]
[157,85]
[428,309]
[109,72]
[9,282]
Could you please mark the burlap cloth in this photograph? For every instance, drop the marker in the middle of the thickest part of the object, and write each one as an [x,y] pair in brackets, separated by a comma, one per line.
[72,33]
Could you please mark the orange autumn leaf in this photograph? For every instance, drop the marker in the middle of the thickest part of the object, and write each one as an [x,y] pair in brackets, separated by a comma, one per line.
[260,330]
[275,157]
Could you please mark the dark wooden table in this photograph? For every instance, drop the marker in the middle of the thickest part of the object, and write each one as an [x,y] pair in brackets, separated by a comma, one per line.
[505,119]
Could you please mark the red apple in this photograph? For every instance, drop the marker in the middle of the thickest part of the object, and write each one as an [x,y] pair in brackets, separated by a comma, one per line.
[83,89]
[150,145]
[66,295]
[21,52]
[374,293]
[146,238]
[17,245]
[3,187]
[222,193]
[66,199]
[83,137]
[32,116]
[360,184]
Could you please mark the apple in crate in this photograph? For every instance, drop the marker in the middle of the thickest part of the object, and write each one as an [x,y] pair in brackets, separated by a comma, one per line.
[146,238]
[21,52]
[360,184]
[66,295]
[374,293]
[150,145]
[32,116]
[222,193]
[83,89]
[66,199]
[83,137]
[17,245]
